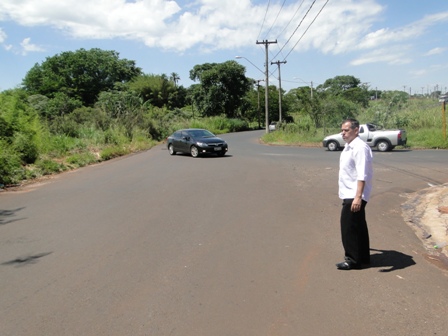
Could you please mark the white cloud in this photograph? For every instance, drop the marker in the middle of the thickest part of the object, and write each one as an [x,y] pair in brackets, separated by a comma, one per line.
[434,68]
[3,36]
[343,26]
[409,32]
[435,51]
[209,24]
[29,47]
[396,55]
[419,73]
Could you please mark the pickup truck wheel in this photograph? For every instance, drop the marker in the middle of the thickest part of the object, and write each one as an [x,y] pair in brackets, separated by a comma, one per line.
[383,146]
[333,146]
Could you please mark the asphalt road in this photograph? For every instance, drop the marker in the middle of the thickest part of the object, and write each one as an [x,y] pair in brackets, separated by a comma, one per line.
[244,245]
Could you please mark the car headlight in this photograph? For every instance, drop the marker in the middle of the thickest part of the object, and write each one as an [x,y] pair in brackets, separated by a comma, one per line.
[202,144]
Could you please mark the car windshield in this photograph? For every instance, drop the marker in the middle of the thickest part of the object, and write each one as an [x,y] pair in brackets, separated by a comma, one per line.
[201,134]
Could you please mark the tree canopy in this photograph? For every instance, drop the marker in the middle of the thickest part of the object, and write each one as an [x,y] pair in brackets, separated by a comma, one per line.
[159,90]
[81,74]
[222,88]
[347,87]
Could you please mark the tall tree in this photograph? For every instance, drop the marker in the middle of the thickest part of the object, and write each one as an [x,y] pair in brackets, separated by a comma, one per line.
[174,77]
[81,74]
[302,102]
[158,90]
[347,87]
[222,88]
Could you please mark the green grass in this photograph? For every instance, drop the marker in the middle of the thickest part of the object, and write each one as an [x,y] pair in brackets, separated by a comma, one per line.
[421,118]
[427,138]
[281,137]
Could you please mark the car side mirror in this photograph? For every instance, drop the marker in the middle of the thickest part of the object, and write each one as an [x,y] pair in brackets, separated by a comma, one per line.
[186,138]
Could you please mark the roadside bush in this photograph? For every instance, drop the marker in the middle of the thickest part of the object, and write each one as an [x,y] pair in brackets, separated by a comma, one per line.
[11,170]
[25,146]
[6,129]
[140,141]
[115,136]
[113,152]
[238,125]
[62,125]
[58,146]
[48,166]
[427,138]
[91,135]
[81,159]
[218,125]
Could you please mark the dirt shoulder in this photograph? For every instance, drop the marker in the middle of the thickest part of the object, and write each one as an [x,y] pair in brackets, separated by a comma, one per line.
[426,211]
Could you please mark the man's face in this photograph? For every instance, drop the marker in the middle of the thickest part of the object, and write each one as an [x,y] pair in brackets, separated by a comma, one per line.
[348,133]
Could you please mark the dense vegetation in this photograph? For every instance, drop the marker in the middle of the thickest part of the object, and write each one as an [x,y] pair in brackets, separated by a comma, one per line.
[87,106]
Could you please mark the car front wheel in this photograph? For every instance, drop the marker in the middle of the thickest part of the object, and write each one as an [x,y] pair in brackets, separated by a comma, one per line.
[332,146]
[171,149]
[194,151]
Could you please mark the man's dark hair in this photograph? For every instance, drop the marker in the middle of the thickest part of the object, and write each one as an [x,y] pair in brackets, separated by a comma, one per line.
[353,123]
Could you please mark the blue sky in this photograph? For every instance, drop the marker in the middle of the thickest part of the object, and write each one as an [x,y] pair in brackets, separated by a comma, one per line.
[388,44]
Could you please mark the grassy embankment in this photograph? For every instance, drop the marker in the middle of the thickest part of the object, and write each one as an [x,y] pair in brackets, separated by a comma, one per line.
[421,118]
[32,148]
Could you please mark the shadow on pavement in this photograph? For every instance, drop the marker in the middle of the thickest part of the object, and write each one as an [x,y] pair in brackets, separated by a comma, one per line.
[6,216]
[26,260]
[394,260]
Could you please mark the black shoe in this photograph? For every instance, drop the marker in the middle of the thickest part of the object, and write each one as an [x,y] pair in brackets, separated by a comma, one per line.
[347,265]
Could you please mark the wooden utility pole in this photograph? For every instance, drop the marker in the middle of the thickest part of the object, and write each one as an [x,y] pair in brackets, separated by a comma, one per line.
[258,108]
[279,90]
[266,45]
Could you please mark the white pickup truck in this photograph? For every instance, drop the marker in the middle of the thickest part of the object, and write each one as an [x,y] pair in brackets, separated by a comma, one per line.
[373,135]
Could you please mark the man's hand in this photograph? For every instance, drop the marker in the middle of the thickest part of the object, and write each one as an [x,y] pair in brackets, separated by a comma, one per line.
[356,204]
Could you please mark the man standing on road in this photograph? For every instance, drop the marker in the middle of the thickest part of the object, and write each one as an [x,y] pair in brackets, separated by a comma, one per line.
[355,186]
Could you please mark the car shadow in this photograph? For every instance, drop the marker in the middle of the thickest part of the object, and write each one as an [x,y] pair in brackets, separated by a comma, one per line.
[6,216]
[390,260]
[203,156]
[404,150]
[26,260]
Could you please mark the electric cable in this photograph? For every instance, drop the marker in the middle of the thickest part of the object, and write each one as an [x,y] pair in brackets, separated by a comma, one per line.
[307,28]
[273,23]
[264,19]
[295,30]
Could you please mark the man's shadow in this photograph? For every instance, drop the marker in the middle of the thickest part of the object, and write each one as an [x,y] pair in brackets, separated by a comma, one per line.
[394,260]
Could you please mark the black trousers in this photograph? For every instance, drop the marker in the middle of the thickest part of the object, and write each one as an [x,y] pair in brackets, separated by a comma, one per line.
[354,232]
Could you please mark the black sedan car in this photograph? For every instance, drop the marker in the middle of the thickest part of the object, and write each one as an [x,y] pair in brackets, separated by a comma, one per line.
[196,141]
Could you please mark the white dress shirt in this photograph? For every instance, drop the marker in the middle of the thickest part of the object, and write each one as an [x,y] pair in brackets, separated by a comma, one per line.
[355,164]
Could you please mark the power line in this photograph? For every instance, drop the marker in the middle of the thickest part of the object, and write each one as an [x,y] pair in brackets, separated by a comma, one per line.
[295,30]
[264,19]
[292,18]
[307,28]
[273,23]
